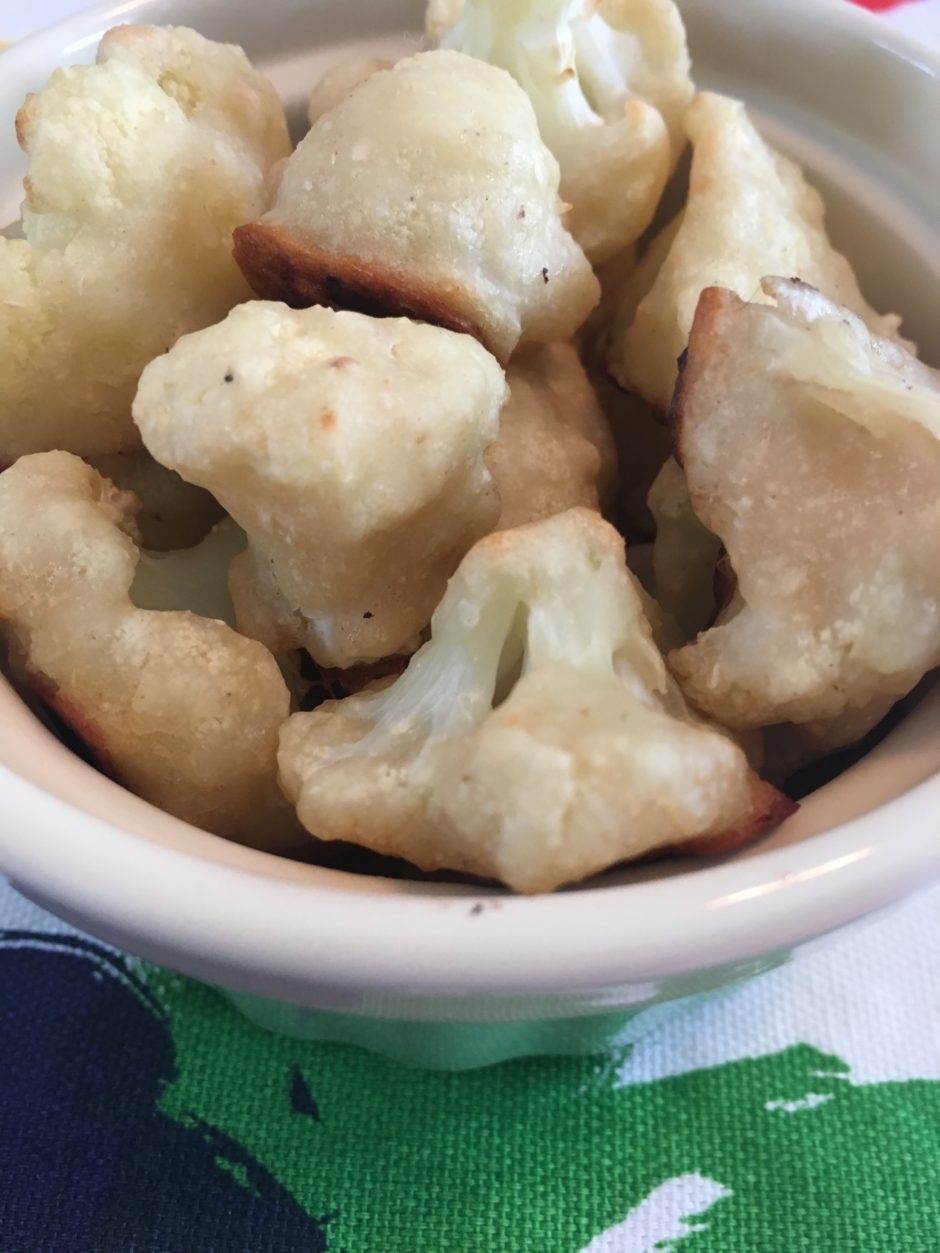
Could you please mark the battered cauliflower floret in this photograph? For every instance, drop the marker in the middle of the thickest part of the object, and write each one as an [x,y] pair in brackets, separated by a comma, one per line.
[554,450]
[609,82]
[750,212]
[427,192]
[177,707]
[536,738]
[340,80]
[812,450]
[140,167]
[350,449]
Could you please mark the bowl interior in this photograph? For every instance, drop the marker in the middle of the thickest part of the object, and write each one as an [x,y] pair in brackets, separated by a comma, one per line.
[854,107]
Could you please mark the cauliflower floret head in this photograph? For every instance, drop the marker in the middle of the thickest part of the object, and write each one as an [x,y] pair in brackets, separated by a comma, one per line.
[177,707]
[140,167]
[750,212]
[535,739]
[554,449]
[351,451]
[812,450]
[428,192]
[609,83]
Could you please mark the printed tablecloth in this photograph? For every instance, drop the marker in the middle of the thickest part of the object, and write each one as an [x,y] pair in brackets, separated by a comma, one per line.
[801,1114]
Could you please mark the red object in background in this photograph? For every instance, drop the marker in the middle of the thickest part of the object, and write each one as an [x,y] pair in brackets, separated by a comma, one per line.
[877,5]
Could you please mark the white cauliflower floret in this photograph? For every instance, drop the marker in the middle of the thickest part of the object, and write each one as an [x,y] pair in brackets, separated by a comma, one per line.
[609,83]
[140,167]
[177,707]
[554,449]
[812,450]
[750,212]
[350,449]
[427,192]
[536,738]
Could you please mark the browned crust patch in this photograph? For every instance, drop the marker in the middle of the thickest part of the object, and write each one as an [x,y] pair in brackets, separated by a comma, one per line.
[279,266]
[24,117]
[769,808]
[714,304]
[77,720]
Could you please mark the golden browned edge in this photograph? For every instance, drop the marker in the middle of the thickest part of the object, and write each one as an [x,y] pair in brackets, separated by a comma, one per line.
[712,304]
[22,120]
[76,719]
[769,808]
[279,266]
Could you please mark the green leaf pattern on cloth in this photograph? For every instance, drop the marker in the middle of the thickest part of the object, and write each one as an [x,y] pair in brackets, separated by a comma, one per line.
[781,1152]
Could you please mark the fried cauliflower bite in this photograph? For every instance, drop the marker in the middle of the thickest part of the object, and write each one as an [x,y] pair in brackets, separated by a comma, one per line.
[536,738]
[140,167]
[609,82]
[812,449]
[554,449]
[427,192]
[750,212]
[178,708]
[350,449]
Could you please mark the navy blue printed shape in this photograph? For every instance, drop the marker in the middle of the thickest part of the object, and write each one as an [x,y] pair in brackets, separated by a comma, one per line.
[89,1163]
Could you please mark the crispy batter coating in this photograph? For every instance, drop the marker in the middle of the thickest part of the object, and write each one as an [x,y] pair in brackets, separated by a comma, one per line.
[139,168]
[536,738]
[555,449]
[609,82]
[172,514]
[750,212]
[350,449]
[812,449]
[177,707]
[400,200]
[340,80]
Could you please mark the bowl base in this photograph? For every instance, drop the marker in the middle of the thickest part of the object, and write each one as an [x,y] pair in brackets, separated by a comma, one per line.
[461,1046]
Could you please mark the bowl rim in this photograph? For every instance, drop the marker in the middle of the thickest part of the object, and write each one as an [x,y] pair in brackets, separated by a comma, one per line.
[240,923]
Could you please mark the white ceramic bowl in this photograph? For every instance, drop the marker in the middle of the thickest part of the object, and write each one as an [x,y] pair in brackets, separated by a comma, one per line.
[457,976]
